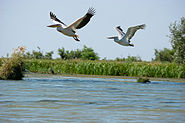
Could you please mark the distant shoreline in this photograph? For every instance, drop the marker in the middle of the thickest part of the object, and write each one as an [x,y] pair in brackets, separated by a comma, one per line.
[28,75]
[106,68]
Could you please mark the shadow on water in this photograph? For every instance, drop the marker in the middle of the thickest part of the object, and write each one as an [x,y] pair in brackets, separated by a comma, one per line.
[75,99]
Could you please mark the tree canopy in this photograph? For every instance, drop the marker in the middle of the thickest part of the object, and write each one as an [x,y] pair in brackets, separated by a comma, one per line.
[85,54]
[177,40]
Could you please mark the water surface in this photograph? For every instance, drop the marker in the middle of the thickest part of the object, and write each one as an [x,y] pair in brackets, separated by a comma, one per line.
[90,100]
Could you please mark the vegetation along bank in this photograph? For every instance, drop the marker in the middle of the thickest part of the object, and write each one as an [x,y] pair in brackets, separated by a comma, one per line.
[104,67]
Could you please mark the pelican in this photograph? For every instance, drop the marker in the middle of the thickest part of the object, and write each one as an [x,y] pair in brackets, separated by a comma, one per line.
[71,29]
[124,39]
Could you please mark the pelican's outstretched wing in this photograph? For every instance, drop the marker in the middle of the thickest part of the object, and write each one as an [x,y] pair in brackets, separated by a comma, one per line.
[56,20]
[132,30]
[83,20]
[121,34]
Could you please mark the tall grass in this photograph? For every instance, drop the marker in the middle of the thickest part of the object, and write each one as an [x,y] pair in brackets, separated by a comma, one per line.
[12,68]
[113,68]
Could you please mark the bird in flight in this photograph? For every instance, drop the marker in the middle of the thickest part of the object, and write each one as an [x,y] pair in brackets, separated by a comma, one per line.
[124,39]
[71,29]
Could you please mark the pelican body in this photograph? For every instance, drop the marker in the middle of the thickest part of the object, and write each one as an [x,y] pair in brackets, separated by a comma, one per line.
[124,39]
[66,31]
[71,29]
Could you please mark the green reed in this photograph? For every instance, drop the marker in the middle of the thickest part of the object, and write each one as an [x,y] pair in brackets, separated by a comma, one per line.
[112,68]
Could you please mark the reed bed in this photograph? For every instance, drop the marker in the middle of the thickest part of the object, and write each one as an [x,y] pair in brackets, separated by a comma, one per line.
[112,68]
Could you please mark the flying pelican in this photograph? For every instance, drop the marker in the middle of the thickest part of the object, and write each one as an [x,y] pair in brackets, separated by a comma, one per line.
[71,29]
[124,39]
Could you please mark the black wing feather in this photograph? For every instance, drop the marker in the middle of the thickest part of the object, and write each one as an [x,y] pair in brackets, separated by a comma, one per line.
[120,28]
[53,17]
[86,18]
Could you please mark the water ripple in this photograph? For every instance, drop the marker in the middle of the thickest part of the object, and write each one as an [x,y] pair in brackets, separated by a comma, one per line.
[73,99]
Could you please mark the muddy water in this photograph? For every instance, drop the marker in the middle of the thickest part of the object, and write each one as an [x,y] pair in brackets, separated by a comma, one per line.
[90,100]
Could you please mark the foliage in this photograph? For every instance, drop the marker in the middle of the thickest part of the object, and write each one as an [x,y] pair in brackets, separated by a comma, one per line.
[28,55]
[66,54]
[12,68]
[86,54]
[89,54]
[38,54]
[62,53]
[164,55]
[136,69]
[130,59]
[49,55]
[177,39]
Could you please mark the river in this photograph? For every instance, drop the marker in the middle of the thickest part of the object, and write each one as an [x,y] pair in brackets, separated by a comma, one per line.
[90,100]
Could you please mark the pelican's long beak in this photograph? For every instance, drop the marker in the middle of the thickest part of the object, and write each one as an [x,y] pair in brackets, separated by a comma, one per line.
[110,37]
[54,25]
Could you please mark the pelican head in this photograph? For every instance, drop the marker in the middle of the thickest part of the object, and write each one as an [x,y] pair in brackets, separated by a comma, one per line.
[54,25]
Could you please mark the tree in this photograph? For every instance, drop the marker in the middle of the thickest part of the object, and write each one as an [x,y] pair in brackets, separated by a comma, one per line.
[177,39]
[62,53]
[67,54]
[77,54]
[89,54]
[49,55]
[37,54]
[28,55]
[164,55]
[86,54]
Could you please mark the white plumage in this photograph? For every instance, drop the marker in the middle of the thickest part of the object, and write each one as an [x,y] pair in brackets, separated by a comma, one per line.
[71,29]
[124,39]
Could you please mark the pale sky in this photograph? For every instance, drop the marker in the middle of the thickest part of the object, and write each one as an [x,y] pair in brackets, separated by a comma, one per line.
[23,23]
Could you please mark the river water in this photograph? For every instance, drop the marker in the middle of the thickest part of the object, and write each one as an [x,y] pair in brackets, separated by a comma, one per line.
[90,100]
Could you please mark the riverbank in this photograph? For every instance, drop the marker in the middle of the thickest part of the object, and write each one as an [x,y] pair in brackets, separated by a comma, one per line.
[104,68]
[30,75]
[107,68]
